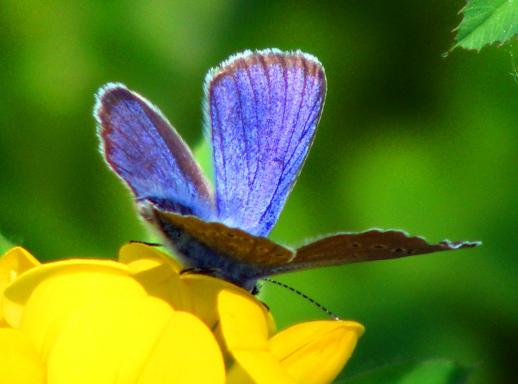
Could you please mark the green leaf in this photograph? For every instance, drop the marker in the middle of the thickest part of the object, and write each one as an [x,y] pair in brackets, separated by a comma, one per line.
[4,244]
[424,372]
[486,22]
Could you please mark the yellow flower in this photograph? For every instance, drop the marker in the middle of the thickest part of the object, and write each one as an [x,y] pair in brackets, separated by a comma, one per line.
[140,321]
[311,352]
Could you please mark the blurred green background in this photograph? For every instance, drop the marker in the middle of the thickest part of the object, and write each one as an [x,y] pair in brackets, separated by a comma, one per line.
[408,139]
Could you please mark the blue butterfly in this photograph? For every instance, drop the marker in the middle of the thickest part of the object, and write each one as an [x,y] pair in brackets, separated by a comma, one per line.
[262,109]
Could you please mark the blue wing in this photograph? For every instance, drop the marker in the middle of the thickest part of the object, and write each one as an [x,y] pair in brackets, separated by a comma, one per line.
[142,148]
[263,108]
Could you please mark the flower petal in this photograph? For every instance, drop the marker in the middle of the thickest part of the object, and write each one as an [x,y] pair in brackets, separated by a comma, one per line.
[257,367]
[13,263]
[201,296]
[16,295]
[141,257]
[157,272]
[47,296]
[316,352]
[107,342]
[161,276]
[19,362]
[245,326]
[133,340]
[192,348]
[243,321]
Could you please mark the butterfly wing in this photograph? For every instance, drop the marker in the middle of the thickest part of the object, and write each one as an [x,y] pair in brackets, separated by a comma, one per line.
[365,246]
[242,258]
[143,149]
[263,109]
[229,253]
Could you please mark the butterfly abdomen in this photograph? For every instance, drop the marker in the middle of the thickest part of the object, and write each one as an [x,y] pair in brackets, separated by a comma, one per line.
[206,258]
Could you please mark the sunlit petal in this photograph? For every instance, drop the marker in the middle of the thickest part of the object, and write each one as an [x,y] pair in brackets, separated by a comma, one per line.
[142,257]
[244,321]
[19,361]
[43,300]
[186,352]
[13,263]
[257,366]
[144,321]
[316,352]
[16,295]
[157,272]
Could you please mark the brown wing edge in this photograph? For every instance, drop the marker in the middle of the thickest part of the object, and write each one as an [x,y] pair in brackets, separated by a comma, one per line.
[233,243]
[371,245]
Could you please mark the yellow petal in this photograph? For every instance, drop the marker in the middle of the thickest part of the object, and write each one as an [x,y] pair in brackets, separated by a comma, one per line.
[120,342]
[161,276]
[186,352]
[158,273]
[316,352]
[59,295]
[19,362]
[257,367]
[244,327]
[107,342]
[243,321]
[16,295]
[200,296]
[14,262]
[141,257]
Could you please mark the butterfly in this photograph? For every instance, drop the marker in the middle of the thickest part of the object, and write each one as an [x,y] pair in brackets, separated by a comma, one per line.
[261,112]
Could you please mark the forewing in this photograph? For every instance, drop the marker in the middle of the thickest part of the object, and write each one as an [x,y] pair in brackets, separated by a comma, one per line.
[366,246]
[237,245]
[263,109]
[142,148]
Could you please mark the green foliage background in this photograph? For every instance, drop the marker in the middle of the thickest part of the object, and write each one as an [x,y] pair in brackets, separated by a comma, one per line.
[409,139]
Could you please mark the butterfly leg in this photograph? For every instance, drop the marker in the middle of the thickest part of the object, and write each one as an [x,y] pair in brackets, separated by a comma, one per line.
[145,243]
[200,271]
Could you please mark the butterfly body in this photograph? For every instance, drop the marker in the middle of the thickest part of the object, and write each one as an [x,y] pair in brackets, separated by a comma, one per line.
[225,252]
[262,109]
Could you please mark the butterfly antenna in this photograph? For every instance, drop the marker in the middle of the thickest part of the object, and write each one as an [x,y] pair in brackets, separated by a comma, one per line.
[304,296]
